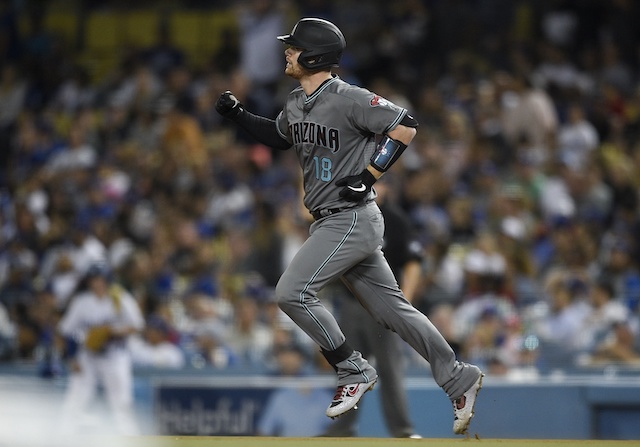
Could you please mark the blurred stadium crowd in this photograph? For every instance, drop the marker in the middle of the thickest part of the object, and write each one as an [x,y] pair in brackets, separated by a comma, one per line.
[522,181]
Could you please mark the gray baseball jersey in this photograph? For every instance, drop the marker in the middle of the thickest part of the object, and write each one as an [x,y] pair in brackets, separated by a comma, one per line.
[333,131]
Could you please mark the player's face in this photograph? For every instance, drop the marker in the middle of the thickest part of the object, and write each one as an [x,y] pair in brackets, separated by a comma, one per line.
[293,68]
[98,285]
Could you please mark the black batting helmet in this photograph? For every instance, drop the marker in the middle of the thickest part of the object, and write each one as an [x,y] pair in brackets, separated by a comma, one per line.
[322,43]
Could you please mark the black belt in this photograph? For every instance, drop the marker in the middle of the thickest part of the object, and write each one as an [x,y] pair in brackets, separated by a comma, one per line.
[326,212]
[319,214]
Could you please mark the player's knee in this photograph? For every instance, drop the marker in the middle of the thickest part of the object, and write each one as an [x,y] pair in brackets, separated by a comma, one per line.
[289,295]
[284,295]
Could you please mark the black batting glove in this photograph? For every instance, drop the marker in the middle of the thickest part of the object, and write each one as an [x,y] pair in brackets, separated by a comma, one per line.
[356,187]
[228,105]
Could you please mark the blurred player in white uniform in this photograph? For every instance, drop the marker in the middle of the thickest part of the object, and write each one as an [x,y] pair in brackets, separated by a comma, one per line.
[108,309]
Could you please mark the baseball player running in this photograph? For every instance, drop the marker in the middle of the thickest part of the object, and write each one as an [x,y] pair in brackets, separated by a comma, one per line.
[334,127]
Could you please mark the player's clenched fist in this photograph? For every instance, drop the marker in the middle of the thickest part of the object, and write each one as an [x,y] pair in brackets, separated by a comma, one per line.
[228,105]
[356,187]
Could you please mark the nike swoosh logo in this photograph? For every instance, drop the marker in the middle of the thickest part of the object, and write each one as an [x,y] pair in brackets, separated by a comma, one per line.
[361,188]
[353,391]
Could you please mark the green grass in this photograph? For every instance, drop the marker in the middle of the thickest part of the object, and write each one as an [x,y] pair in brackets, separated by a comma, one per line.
[213,441]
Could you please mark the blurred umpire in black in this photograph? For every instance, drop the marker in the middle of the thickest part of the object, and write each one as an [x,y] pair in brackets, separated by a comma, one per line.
[405,255]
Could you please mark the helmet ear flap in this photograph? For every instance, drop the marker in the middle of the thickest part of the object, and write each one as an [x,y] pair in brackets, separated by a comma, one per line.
[309,62]
[319,61]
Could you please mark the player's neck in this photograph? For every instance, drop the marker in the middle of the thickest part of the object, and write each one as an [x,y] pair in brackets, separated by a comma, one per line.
[311,82]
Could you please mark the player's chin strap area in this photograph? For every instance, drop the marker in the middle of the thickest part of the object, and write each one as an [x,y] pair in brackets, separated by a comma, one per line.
[387,152]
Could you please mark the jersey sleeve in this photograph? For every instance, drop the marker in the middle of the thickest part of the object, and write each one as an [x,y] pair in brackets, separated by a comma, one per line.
[70,323]
[282,126]
[376,114]
[131,314]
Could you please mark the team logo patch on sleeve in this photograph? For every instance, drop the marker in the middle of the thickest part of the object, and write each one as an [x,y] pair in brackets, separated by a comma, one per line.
[378,101]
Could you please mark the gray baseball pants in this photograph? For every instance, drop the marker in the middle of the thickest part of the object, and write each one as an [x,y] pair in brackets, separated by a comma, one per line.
[348,245]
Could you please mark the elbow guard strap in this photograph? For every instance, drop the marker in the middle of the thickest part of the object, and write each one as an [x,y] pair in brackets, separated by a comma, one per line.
[386,154]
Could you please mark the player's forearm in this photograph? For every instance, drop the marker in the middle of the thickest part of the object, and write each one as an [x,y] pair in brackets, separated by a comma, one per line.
[403,134]
[261,128]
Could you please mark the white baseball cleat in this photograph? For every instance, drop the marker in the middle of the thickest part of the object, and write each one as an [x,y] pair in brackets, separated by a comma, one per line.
[347,397]
[463,408]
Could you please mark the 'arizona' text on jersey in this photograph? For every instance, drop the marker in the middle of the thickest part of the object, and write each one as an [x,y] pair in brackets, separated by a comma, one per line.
[314,133]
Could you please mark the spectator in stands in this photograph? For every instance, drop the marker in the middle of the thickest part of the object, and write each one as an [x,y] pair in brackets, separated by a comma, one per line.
[619,176]
[577,138]
[178,84]
[154,348]
[186,244]
[614,70]
[260,21]
[163,55]
[565,312]
[462,225]
[619,346]
[58,270]
[265,257]
[74,93]
[511,210]
[593,196]
[480,327]
[182,141]
[86,249]
[76,157]
[485,268]
[489,343]
[202,322]
[527,112]
[606,309]
[249,338]
[521,279]
[32,143]
[618,266]
[456,142]
[281,415]
[565,244]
